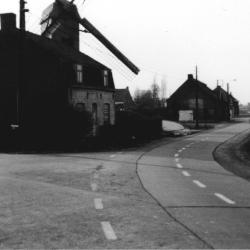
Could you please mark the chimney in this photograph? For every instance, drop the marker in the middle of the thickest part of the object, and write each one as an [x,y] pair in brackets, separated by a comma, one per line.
[190,77]
[8,21]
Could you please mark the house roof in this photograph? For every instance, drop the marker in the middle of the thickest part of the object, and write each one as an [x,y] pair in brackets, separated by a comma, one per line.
[61,50]
[223,95]
[55,48]
[123,96]
[190,82]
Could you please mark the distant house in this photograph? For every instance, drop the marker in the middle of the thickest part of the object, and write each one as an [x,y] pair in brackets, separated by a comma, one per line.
[123,100]
[232,103]
[194,100]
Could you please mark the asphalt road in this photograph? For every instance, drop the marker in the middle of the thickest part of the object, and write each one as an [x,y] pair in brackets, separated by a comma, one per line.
[169,194]
[197,192]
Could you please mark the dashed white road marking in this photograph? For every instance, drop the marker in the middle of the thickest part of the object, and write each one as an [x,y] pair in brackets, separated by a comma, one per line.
[183,148]
[199,184]
[185,173]
[98,204]
[179,165]
[180,150]
[94,187]
[176,155]
[224,198]
[112,156]
[177,159]
[108,230]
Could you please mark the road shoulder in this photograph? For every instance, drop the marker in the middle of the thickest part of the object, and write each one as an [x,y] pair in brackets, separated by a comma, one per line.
[232,156]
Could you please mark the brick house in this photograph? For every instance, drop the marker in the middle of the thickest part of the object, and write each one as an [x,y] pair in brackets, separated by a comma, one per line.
[123,100]
[39,73]
[183,101]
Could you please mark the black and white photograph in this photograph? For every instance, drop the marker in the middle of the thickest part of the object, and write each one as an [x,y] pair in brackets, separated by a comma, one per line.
[125,124]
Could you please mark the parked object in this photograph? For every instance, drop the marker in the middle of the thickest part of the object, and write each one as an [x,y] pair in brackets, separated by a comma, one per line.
[174,128]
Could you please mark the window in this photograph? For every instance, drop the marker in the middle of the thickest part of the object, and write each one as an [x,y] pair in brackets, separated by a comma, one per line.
[106,113]
[106,78]
[79,76]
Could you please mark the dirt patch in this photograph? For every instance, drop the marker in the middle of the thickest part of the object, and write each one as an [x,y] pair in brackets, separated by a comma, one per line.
[77,180]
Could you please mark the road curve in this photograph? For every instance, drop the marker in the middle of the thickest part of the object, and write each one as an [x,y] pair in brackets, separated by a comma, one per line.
[196,191]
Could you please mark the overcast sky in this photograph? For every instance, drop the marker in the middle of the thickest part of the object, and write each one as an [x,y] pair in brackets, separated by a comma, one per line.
[167,38]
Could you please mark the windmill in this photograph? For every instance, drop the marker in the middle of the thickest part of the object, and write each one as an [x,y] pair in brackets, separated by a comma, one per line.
[61,21]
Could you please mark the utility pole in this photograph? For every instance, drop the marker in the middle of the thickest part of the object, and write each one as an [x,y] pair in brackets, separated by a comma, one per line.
[22,21]
[196,99]
[20,87]
[228,99]
[196,72]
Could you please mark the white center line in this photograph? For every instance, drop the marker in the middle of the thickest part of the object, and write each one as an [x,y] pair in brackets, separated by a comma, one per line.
[179,165]
[185,173]
[98,204]
[180,150]
[176,155]
[224,198]
[94,187]
[183,148]
[199,184]
[108,230]
[112,156]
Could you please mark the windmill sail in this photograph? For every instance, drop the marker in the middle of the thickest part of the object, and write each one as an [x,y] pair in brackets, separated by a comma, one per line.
[62,11]
[98,35]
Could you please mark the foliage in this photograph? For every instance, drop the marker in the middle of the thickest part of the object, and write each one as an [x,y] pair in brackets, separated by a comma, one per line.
[132,126]
[56,127]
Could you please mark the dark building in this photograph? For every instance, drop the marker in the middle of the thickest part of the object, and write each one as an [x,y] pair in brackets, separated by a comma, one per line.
[192,100]
[123,100]
[231,102]
[39,75]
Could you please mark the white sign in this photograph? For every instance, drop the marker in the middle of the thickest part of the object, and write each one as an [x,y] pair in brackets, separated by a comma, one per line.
[186,115]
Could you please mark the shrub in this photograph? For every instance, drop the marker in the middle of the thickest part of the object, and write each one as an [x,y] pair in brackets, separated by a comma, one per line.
[132,124]
[63,128]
